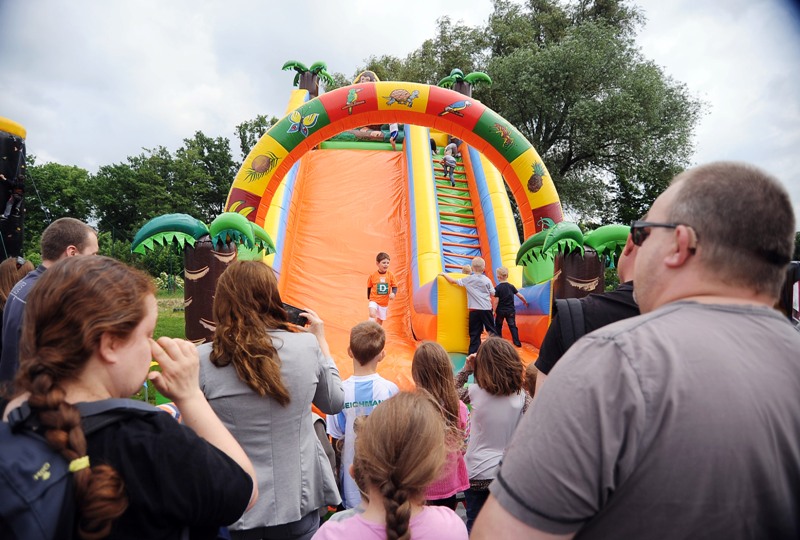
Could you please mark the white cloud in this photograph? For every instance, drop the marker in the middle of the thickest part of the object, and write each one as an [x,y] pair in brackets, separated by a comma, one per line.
[742,58]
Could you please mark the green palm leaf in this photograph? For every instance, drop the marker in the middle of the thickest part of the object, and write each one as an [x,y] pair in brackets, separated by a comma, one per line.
[608,239]
[531,250]
[326,78]
[163,230]
[317,67]
[457,74]
[564,237]
[447,82]
[477,77]
[295,65]
[231,226]
[262,239]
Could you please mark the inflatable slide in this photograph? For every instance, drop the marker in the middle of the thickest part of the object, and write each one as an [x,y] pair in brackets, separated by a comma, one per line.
[331,207]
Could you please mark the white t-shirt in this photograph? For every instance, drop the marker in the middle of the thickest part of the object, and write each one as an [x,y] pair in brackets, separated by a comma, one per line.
[492,423]
[479,291]
[362,393]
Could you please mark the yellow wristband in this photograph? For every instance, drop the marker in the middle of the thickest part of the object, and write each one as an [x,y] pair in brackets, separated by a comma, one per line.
[79,464]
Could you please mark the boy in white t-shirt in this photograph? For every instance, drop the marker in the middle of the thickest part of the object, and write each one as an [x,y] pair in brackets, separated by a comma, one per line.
[362,392]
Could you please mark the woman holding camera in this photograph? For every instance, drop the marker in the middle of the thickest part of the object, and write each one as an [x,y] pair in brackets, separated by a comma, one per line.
[261,374]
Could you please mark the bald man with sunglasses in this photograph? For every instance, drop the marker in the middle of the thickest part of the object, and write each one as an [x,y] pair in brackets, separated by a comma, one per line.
[682,422]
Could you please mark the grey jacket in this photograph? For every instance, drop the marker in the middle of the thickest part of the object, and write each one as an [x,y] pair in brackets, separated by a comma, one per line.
[294,474]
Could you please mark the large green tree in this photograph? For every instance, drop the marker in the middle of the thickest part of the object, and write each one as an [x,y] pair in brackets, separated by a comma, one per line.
[52,191]
[611,126]
[126,195]
[454,46]
[204,167]
[194,180]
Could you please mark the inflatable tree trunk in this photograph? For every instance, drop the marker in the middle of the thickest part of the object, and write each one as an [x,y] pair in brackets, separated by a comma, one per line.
[310,81]
[578,275]
[463,87]
[202,267]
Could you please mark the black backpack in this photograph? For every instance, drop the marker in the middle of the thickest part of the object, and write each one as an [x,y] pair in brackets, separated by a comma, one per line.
[35,482]
[570,315]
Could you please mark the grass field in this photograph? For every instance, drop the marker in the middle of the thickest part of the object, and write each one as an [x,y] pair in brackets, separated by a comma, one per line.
[170,315]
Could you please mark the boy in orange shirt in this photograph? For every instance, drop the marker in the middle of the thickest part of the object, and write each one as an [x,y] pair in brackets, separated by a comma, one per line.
[381,287]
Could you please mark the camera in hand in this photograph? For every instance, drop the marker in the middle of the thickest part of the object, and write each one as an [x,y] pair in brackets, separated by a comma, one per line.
[294,314]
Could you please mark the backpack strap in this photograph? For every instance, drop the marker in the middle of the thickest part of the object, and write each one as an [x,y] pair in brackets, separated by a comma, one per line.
[21,417]
[95,415]
[570,315]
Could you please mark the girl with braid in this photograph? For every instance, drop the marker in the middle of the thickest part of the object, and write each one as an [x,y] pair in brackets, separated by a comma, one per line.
[87,336]
[432,370]
[400,450]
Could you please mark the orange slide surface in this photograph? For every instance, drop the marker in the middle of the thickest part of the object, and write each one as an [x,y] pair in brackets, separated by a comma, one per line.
[347,206]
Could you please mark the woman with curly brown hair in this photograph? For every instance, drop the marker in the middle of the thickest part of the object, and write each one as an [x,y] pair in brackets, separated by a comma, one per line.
[498,403]
[87,336]
[261,374]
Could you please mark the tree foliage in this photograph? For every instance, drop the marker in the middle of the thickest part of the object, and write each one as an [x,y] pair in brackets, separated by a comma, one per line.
[455,45]
[611,126]
[53,191]
[250,131]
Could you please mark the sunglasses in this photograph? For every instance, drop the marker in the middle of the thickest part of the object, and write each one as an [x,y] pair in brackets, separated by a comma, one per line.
[640,230]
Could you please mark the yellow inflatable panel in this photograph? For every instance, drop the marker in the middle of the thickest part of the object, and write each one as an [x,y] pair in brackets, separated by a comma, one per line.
[429,253]
[452,332]
[508,238]
[260,165]
[523,167]
[9,126]
[392,95]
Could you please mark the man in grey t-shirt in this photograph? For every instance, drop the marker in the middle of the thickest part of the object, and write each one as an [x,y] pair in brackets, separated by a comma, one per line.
[682,422]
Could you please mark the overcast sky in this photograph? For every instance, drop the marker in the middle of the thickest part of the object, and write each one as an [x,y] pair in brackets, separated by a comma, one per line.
[95,81]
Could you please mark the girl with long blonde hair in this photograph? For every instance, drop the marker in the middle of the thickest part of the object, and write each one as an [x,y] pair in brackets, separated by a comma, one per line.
[432,371]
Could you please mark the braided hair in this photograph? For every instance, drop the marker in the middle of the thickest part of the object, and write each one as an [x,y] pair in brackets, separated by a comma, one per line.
[401,471]
[73,304]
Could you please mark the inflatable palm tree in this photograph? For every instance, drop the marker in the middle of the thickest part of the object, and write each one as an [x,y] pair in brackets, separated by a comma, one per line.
[308,78]
[574,261]
[207,251]
[464,83]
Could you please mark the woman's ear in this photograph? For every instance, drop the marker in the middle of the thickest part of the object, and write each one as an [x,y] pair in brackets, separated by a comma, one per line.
[108,348]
